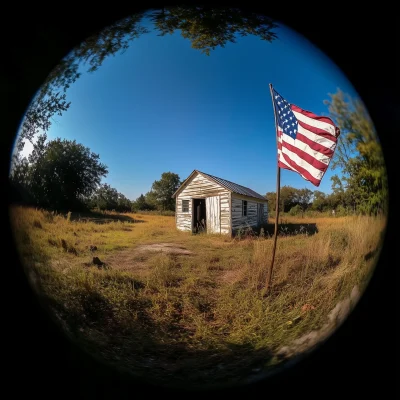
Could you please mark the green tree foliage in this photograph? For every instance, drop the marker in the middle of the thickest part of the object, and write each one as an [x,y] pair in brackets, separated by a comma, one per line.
[151,200]
[362,183]
[108,198]
[162,191]
[59,174]
[290,197]
[271,199]
[208,27]
[296,210]
[303,199]
[319,201]
[142,204]
[287,198]
[51,98]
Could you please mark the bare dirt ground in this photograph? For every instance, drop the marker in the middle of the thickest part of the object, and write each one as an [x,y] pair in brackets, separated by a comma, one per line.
[171,248]
[135,259]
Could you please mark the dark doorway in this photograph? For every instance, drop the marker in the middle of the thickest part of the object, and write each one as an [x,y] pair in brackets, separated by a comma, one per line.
[199,216]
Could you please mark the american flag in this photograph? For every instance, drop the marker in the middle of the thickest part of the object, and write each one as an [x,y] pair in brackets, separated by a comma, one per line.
[306,142]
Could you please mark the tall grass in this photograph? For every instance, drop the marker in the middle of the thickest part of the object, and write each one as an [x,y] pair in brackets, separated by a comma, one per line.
[189,311]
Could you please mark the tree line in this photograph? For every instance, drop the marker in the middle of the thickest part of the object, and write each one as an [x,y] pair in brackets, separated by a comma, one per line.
[64,175]
[48,177]
[360,185]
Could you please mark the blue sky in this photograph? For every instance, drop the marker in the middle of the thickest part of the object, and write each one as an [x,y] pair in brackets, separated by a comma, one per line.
[162,106]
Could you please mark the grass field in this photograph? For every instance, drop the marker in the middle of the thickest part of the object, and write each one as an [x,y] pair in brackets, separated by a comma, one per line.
[197,311]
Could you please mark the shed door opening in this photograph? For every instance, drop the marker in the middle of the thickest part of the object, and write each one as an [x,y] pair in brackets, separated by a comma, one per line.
[260,213]
[213,214]
[199,216]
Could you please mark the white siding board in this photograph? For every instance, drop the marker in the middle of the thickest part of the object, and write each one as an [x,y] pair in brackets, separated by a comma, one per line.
[252,219]
[213,214]
[230,206]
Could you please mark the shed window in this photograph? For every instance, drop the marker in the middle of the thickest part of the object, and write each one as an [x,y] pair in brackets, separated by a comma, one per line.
[244,208]
[185,205]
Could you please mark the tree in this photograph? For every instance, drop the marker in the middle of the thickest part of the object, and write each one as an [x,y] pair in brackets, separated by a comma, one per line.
[162,191]
[358,155]
[287,198]
[105,198]
[50,99]
[108,198]
[206,27]
[151,200]
[59,174]
[303,199]
[141,204]
[271,199]
[319,201]
[123,203]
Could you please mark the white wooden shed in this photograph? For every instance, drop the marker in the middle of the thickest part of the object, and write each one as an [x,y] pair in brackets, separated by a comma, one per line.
[207,203]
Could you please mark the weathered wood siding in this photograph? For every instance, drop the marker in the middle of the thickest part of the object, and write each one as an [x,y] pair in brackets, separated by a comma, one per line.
[265,213]
[183,219]
[213,211]
[252,218]
[202,187]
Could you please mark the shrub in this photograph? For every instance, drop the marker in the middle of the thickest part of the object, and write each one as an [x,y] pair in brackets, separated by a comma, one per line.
[296,210]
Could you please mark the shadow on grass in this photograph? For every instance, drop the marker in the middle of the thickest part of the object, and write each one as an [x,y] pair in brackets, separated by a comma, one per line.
[129,342]
[100,218]
[291,229]
[288,229]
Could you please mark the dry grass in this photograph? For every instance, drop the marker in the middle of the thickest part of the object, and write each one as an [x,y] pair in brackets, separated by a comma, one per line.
[204,314]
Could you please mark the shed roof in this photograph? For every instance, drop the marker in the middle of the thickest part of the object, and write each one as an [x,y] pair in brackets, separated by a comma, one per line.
[231,186]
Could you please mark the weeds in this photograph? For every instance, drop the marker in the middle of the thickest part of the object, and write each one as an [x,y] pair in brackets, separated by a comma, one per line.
[206,304]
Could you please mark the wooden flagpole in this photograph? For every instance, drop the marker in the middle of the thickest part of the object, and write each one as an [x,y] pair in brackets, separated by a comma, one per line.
[278,187]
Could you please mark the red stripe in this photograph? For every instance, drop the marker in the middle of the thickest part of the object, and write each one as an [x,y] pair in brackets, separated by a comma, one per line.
[305,156]
[300,170]
[314,145]
[318,131]
[284,166]
[312,115]
[311,160]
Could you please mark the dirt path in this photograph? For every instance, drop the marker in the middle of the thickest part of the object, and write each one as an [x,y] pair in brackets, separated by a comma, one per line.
[135,259]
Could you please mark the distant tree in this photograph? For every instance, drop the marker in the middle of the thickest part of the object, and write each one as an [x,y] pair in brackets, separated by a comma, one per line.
[123,203]
[287,198]
[271,199]
[303,199]
[108,198]
[319,202]
[296,210]
[59,174]
[162,191]
[333,200]
[141,204]
[151,200]
[358,156]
